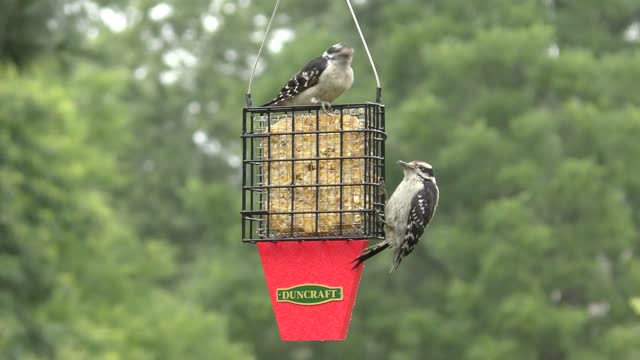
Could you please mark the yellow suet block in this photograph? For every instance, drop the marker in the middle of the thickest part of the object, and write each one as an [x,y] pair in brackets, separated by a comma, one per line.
[288,165]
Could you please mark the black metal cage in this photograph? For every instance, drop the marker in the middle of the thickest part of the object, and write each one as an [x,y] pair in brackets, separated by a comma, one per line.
[308,174]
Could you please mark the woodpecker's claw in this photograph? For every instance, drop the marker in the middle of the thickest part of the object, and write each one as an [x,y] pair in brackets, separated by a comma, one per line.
[381,218]
[326,106]
[382,190]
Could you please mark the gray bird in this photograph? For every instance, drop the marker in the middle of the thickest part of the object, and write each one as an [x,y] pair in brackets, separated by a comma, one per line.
[407,213]
[320,81]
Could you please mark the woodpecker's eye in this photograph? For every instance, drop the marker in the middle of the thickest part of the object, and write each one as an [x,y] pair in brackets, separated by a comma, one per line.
[425,170]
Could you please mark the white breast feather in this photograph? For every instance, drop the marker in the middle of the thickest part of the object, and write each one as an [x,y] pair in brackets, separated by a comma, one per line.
[397,210]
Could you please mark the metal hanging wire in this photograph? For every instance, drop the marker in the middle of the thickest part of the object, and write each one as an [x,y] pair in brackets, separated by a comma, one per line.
[255,64]
[366,48]
[364,43]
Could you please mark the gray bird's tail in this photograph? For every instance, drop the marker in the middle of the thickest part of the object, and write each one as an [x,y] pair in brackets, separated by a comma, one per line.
[369,252]
[270,103]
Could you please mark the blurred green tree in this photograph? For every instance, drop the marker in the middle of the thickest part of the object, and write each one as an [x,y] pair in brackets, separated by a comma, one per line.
[119,174]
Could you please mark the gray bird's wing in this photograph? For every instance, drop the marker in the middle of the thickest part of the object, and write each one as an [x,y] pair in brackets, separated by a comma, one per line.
[303,80]
[422,210]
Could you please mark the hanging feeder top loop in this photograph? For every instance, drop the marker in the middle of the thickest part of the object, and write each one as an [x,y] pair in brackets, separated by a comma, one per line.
[364,42]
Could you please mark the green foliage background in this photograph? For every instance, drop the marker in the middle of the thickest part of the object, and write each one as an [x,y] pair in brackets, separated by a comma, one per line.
[120,195]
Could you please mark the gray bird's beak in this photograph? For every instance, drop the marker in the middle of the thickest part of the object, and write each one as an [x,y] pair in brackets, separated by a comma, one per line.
[404,164]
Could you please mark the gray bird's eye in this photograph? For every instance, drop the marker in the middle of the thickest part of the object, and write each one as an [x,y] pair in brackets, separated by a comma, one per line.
[425,170]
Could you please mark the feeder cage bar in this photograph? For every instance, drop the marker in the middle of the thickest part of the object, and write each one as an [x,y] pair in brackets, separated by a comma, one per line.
[311,175]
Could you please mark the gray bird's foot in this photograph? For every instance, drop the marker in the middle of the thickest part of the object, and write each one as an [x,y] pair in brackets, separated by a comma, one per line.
[382,191]
[324,105]
[381,219]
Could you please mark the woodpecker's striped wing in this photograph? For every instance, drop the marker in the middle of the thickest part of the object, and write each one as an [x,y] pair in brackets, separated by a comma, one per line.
[303,80]
[423,207]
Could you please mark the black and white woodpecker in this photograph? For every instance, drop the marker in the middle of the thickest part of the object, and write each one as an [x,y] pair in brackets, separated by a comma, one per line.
[407,213]
[320,81]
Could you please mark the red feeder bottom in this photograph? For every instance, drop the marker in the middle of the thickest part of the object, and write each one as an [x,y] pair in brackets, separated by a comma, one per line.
[312,286]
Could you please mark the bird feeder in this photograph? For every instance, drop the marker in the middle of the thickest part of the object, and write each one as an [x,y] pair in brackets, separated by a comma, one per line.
[312,193]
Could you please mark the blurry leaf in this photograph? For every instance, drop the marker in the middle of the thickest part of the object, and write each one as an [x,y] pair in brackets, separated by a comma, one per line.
[635,304]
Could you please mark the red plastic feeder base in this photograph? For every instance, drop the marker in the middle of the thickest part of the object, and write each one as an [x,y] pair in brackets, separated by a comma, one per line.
[312,286]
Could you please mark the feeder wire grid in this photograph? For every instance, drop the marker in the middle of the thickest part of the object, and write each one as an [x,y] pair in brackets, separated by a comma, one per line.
[311,175]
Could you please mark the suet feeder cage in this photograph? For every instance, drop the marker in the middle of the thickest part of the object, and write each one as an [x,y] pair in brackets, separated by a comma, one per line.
[312,195]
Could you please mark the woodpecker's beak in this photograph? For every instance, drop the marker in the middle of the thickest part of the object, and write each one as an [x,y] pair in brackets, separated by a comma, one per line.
[405,165]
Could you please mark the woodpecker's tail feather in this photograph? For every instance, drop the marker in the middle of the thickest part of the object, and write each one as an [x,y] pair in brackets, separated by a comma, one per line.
[397,258]
[369,252]
[396,263]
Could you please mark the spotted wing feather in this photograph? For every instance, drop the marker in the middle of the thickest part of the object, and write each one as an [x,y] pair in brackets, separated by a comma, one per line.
[423,207]
[303,80]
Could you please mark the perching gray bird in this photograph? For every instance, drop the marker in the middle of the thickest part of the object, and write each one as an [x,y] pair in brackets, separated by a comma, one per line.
[407,213]
[320,81]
